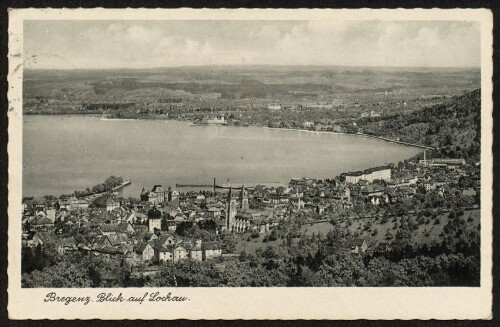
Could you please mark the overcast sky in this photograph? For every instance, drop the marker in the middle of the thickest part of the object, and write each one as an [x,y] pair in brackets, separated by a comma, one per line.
[142,44]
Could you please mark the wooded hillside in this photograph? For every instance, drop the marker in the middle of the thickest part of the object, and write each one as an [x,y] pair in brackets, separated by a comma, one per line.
[453,128]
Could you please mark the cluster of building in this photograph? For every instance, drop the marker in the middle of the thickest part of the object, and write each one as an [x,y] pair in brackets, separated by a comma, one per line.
[144,231]
[232,215]
[129,244]
[387,184]
[122,233]
[371,114]
[139,232]
[376,186]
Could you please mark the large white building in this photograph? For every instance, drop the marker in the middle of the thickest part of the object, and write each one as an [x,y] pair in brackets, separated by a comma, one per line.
[155,196]
[219,119]
[443,162]
[380,173]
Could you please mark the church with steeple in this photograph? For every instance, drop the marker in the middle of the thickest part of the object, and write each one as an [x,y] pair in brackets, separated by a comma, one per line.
[232,203]
[244,199]
[240,218]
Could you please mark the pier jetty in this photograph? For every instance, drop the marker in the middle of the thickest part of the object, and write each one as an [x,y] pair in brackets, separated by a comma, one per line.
[193,185]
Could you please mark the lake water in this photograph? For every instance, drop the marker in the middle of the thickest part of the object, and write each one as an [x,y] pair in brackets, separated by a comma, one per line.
[62,154]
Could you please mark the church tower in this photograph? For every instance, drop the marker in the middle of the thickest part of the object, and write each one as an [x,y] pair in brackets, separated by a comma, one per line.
[169,194]
[244,199]
[144,195]
[299,204]
[231,210]
[154,219]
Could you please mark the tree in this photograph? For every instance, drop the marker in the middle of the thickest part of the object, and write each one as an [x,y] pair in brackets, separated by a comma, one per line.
[270,253]
[255,234]
[164,226]
[38,258]
[59,275]
[94,275]
[183,227]
[112,181]
[208,225]
[342,269]
[316,261]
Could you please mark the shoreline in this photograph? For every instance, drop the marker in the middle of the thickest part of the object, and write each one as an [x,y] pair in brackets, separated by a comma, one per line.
[357,134]
[382,138]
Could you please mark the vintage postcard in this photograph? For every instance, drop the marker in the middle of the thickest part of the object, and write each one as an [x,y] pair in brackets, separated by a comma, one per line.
[250,164]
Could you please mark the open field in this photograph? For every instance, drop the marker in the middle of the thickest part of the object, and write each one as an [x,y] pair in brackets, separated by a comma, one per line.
[425,233]
[254,243]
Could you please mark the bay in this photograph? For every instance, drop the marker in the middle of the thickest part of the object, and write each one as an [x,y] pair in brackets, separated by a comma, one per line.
[65,153]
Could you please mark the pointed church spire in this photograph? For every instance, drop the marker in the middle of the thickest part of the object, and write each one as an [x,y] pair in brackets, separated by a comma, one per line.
[298,199]
[231,210]
[242,191]
[244,199]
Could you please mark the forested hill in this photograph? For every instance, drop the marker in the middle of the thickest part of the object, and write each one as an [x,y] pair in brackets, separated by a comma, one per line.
[453,127]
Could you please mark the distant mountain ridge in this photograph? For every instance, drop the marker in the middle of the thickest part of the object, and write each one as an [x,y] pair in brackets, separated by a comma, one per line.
[453,127]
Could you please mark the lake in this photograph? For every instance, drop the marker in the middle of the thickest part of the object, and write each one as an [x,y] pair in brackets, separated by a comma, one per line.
[65,153]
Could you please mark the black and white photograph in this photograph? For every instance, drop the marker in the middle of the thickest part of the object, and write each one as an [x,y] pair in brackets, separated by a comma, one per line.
[267,153]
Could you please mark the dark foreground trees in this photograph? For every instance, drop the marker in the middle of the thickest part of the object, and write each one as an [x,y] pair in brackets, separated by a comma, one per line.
[336,270]
[314,260]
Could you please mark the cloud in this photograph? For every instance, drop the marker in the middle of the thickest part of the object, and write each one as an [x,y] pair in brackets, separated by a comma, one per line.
[173,43]
[266,33]
[114,28]
[428,37]
[389,35]
[139,34]
[318,27]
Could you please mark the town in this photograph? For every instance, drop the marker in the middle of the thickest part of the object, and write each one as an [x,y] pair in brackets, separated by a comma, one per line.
[415,222]
[395,212]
